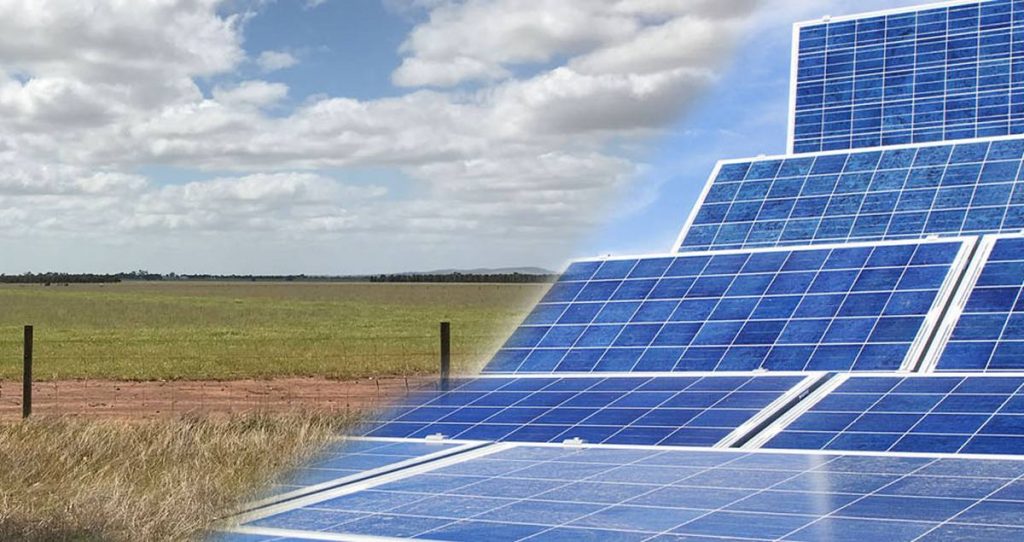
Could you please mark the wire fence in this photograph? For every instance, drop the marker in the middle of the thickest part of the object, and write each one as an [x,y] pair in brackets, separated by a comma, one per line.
[126,399]
[80,379]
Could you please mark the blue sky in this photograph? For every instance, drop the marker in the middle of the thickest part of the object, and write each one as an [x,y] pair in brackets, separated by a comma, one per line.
[364,136]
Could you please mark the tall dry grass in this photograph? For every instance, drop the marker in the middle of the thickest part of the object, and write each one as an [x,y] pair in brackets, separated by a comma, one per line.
[85,480]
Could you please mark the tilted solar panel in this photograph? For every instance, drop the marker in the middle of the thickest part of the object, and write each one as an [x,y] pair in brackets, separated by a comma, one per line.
[351,459]
[985,328]
[669,410]
[897,193]
[908,76]
[850,307]
[948,414]
[558,493]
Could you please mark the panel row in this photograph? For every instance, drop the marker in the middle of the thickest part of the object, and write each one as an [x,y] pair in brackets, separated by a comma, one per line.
[899,193]
[551,493]
[934,414]
[670,410]
[909,77]
[813,308]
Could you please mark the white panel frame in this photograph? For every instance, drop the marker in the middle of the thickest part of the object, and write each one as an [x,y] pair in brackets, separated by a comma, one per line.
[789,398]
[798,410]
[934,317]
[450,447]
[700,203]
[423,467]
[929,364]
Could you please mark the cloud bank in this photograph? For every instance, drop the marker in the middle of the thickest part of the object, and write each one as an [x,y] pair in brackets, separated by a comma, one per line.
[518,122]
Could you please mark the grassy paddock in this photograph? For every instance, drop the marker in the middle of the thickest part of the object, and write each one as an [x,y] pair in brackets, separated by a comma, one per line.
[160,480]
[213,330]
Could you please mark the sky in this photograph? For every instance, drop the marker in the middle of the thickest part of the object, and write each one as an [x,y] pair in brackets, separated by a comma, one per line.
[375,136]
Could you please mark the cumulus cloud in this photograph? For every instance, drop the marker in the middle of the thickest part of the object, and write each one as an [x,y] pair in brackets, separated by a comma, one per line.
[254,93]
[270,61]
[517,125]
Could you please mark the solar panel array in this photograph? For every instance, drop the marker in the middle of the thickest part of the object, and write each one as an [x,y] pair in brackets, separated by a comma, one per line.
[953,72]
[841,308]
[963,414]
[671,410]
[549,493]
[904,193]
[989,330]
[862,309]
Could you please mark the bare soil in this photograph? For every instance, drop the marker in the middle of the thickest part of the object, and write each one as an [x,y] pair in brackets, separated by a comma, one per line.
[125,399]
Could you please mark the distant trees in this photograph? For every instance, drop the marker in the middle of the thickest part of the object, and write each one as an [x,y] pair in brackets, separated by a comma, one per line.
[142,274]
[58,278]
[466,277]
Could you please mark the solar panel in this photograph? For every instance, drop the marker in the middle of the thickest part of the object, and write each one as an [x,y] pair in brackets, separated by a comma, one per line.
[558,493]
[907,76]
[985,328]
[668,410]
[818,308]
[352,459]
[949,414]
[897,193]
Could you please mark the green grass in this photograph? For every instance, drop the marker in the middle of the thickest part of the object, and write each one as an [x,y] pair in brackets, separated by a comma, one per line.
[156,331]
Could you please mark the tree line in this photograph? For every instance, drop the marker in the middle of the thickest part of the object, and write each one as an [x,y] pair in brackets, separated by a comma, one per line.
[51,278]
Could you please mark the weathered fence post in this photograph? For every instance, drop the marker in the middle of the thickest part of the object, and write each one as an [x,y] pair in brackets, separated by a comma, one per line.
[26,379]
[446,354]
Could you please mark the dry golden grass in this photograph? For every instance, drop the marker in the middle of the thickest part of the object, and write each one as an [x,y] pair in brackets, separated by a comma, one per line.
[78,480]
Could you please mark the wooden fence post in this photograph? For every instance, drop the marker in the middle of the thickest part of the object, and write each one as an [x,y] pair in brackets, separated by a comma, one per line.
[446,354]
[26,379]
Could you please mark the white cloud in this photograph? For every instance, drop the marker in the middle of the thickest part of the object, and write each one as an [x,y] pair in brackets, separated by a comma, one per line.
[270,61]
[516,166]
[491,34]
[251,93]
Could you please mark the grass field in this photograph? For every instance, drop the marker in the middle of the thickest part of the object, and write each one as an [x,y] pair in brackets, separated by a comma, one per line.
[155,331]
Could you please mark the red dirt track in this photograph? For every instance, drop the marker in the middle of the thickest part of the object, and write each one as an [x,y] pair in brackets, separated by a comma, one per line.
[117,399]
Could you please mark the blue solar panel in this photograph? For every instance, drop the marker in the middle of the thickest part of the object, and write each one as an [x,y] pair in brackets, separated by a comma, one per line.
[941,414]
[685,411]
[989,325]
[556,493]
[349,460]
[903,193]
[910,77]
[844,308]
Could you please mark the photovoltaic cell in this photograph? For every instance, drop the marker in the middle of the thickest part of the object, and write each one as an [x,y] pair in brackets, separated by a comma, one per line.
[989,332]
[941,414]
[685,411]
[554,493]
[843,308]
[900,193]
[937,74]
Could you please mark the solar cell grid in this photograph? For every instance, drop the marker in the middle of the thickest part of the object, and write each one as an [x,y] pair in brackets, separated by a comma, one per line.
[896,193]
[667,410]
[986,329]
[554,493]
[842,308]
[934,414]
[945,73]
